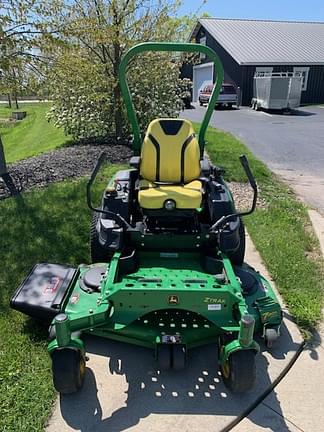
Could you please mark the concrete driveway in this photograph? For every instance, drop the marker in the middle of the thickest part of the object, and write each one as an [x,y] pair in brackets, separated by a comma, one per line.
[291,145]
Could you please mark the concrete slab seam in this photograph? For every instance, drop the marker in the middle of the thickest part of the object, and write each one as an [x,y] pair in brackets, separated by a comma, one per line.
[285,418]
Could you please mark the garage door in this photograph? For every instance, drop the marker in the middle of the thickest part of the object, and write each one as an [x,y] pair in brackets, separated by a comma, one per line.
[202,75]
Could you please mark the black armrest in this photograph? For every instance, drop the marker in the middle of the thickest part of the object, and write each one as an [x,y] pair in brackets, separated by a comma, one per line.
[135,161]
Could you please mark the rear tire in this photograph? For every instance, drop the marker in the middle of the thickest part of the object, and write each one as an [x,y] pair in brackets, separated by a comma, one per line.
[239,372]
[237,257]
[97,252]
[68,368]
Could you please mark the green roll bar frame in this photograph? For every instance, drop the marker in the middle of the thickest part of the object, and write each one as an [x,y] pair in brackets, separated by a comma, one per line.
[176,47]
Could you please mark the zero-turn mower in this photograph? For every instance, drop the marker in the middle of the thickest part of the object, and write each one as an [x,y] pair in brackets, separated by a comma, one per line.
[167,247]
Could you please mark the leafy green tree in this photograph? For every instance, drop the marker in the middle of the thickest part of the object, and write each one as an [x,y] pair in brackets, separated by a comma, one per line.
[91,38]
[21,39]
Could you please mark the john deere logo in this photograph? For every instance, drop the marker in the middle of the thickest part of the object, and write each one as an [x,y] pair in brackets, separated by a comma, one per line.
[173,299]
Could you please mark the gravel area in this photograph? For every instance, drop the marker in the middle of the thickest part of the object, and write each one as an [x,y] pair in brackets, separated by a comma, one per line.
[243,196]
[64,163]
[78,160]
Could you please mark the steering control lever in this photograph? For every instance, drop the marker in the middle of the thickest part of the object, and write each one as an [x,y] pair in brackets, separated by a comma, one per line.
[116,217]
[224,219]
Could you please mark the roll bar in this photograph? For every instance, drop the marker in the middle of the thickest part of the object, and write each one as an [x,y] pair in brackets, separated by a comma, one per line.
[176,47]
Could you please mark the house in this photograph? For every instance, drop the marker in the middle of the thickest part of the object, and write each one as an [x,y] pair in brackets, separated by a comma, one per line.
[249,46]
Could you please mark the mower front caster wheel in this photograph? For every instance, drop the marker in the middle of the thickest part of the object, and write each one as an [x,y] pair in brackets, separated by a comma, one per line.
[164,356]
[68,368]
[179,357]
[239,371]
[171,356]
[270,337]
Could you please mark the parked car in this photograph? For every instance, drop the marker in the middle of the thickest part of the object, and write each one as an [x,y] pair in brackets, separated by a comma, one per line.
[227,95]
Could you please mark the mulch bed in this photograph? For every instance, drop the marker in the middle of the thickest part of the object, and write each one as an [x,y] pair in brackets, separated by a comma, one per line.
[61,164]
[78,161]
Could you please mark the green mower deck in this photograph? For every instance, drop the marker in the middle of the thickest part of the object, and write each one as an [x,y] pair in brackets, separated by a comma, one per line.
[169,295]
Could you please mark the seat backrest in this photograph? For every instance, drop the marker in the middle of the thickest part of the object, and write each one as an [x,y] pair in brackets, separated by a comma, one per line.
[170,152]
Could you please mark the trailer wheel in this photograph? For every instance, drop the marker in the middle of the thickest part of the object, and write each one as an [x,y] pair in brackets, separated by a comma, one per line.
[97,252]
[239,372]
[164,356]
[68,368]
[179,357]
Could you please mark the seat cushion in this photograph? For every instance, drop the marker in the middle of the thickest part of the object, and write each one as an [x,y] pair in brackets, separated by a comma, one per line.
[170,152]
[153,196]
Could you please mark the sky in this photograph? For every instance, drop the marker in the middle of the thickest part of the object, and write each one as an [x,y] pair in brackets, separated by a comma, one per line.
[291,10]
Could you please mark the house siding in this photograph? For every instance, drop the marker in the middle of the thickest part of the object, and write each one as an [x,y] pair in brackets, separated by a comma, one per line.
[231,67]
[315,86]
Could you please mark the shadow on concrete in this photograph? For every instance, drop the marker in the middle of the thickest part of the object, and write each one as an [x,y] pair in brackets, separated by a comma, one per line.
[284,113]
[226,108]
[198,390]
[314,344]
[189,107]
[301,113]
[219,107]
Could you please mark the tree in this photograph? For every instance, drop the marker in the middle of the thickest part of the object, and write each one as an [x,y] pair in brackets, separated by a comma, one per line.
[93,35]
[21,33]
[82,96]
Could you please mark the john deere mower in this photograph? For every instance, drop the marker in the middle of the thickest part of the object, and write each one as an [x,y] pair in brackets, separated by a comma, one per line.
[167,247]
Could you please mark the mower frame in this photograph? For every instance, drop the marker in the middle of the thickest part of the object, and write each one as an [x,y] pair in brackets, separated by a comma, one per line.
[170,295]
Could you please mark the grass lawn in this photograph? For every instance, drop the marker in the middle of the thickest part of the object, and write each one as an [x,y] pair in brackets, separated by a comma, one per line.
[282,232]
[31,136]
[46,225]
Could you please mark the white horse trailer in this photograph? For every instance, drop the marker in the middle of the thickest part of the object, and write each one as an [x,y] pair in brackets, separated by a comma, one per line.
[277,91]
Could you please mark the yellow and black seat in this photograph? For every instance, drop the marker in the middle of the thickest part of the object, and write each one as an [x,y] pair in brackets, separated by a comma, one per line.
[170,166]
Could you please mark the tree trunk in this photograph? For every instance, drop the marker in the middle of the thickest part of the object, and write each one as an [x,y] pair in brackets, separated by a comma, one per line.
[3,165]
[16,100]
[115,60]
[118,112]
[9,100]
